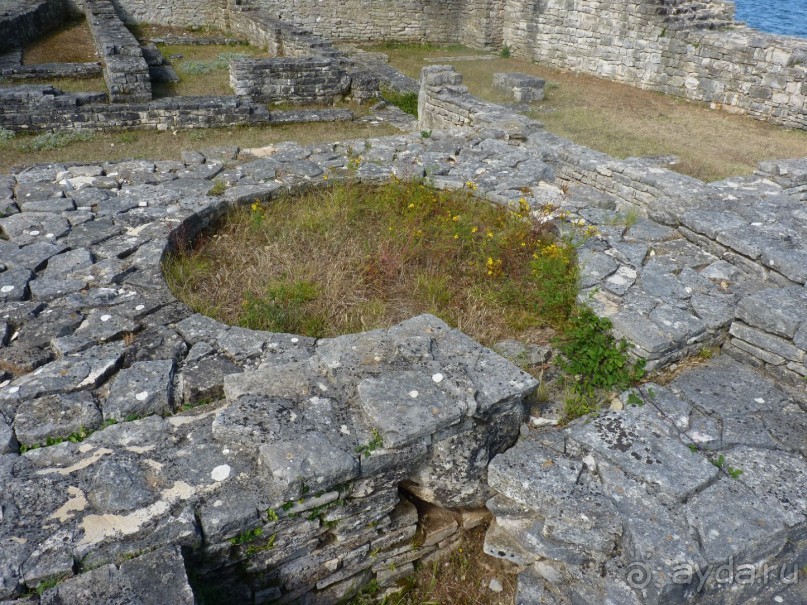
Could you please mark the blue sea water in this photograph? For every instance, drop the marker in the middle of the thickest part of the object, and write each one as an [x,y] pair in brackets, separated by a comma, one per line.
[787,17]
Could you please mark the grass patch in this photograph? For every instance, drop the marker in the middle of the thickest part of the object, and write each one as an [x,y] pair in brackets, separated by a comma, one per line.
[202,69]
[95,84]
[72,43]
[407,101]
[354,257]
[624,121]
[49,141]
[154,145]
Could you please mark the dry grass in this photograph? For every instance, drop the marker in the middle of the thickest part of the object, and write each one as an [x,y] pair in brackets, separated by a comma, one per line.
[462,578]
[353,258]
[145,32]
[623,121]
[71,44]
[202,70]
[155,145]
[96,84]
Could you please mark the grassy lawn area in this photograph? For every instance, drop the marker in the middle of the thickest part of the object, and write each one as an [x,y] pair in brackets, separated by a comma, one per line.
[392,252]
[72,43]
[623,121]
[110,146]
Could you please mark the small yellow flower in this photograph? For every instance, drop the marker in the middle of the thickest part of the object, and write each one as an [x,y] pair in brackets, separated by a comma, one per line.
[324,177]
[455,218]
[412,205]
[474,229]
[456,236]
[490,234]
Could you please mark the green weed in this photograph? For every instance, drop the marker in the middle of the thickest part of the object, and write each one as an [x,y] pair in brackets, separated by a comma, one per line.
[407,101]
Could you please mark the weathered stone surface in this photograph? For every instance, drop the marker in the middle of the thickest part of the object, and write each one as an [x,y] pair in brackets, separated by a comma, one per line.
[55,416]
[156,578]
[144,388]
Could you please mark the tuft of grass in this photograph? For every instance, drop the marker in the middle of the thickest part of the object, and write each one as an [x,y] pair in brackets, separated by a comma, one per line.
[504,53]
[356,257]
[6,135]
[407,101]
[218,188]
[203,68]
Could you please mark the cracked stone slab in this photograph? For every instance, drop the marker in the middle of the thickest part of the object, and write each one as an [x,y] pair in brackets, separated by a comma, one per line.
[142,389]
[14,284]
[752,534]
[156,578]
[780,311]
[406,406]
[55,416]
[645,449]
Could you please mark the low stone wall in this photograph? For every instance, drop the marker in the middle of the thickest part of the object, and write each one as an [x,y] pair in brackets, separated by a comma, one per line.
[280,37]
[38,109]
[23,21]
[52,70]
[720,232]
[125,70]
[444,103]
[292,80]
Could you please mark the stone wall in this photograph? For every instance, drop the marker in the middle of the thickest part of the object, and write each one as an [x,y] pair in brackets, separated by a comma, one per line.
[183,13]
[125,70]
[280,37]
[357,20]
[292,80]
[23,21]
[669,48]
[444,103]
[43,108]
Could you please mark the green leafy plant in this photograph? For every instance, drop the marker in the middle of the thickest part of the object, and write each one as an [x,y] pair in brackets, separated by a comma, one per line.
[218,188]
[247,536]
[732,472]
[407,101]
[593,358]
[504,53]
[367,449]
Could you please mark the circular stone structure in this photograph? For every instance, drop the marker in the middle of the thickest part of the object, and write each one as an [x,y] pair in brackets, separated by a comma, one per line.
[143,445]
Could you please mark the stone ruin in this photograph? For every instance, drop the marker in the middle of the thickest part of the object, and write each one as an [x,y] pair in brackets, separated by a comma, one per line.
[305,69]
[523,88]
[152,455]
